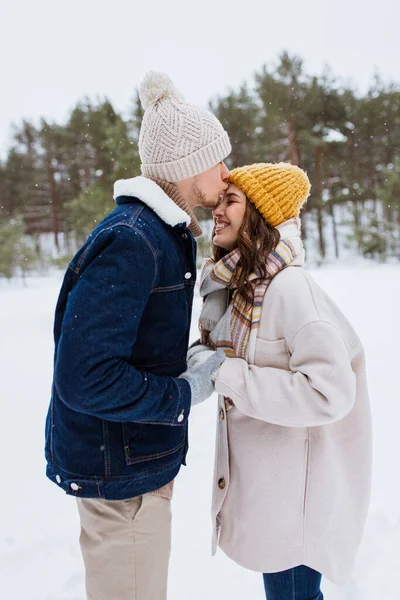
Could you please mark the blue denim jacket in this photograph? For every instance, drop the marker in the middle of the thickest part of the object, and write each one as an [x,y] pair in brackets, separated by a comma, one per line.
[117,422]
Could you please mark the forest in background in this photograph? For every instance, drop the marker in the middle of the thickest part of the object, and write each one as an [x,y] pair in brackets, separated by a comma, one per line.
[56,181]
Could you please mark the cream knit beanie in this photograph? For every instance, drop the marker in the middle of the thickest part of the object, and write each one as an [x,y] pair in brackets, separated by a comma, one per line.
[177,140]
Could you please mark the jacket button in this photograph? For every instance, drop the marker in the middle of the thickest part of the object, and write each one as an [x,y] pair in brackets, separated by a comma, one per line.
[58,479]
[188,275]
[75,486]
[221,415]
[185,236]
[221,483]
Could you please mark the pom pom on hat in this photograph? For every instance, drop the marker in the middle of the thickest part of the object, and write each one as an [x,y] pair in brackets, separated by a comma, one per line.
[177,140]
[156,86]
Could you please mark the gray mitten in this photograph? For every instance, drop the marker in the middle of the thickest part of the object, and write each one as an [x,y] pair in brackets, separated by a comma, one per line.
[201,377]
[198,354]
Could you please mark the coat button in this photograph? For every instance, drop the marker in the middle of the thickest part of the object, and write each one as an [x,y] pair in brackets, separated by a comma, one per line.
[75,487]
[181,417]
[188,275]
[221,483]
[58,479]
[221,415]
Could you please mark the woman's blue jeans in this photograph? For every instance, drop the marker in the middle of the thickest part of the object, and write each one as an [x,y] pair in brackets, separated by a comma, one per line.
[299,583]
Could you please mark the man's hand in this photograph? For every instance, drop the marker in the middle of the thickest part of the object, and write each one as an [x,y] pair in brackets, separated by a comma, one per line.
[201,376]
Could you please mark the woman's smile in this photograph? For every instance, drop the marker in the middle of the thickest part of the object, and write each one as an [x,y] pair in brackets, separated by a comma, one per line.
[220,225]
[228,217]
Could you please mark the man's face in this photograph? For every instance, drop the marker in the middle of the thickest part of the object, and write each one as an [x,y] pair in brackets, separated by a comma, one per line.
[205,189]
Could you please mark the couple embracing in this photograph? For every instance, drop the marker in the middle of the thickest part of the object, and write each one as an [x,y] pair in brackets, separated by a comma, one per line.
[293,452]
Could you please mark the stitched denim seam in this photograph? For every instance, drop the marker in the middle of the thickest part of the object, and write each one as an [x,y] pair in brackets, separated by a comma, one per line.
[136,214]
[163,364]
[84,254]
[52,426]
[100,479]
[76,268]
[153,456]
[169,422]
[178,406]
[157,455]
[144,238]
[90,478]
[107,468]
[170,288]
[147,472]
[150,248]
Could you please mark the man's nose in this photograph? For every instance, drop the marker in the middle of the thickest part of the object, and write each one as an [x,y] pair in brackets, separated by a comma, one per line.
[224,172]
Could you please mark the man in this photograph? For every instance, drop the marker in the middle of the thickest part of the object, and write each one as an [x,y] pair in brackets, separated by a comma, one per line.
[116,430]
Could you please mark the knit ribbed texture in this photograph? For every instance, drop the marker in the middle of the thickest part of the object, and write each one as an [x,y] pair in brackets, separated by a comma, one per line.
[177,140]
[278,190]
[172,192]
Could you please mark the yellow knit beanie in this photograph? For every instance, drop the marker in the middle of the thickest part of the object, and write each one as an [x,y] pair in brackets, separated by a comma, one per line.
[278,190]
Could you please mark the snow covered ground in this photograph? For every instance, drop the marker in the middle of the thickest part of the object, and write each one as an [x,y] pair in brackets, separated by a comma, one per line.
[39,551]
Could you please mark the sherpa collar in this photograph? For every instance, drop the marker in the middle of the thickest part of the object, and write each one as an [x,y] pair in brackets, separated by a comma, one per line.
[154,197]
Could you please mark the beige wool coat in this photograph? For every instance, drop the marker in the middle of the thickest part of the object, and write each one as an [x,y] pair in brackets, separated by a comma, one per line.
[293,456]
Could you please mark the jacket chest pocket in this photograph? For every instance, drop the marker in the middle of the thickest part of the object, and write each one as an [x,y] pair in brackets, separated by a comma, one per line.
[168,310]
[150,442]
[272,354]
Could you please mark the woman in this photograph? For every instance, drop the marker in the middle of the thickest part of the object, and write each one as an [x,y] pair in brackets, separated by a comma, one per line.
[293,457]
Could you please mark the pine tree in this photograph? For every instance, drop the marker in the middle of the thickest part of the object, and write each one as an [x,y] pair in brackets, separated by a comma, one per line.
[240,115]
[16,255]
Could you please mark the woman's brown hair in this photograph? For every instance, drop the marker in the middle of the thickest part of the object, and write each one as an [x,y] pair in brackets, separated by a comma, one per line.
[256,239]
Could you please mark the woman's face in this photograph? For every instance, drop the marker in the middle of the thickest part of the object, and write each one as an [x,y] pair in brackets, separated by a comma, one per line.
[228,217]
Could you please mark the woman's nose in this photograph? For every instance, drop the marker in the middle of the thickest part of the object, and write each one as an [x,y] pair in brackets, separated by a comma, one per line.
[218,210]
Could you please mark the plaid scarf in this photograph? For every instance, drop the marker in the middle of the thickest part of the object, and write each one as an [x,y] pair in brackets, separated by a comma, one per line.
[231,326]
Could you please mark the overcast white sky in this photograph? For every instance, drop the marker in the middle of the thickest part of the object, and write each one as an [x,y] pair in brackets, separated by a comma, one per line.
[54,53]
